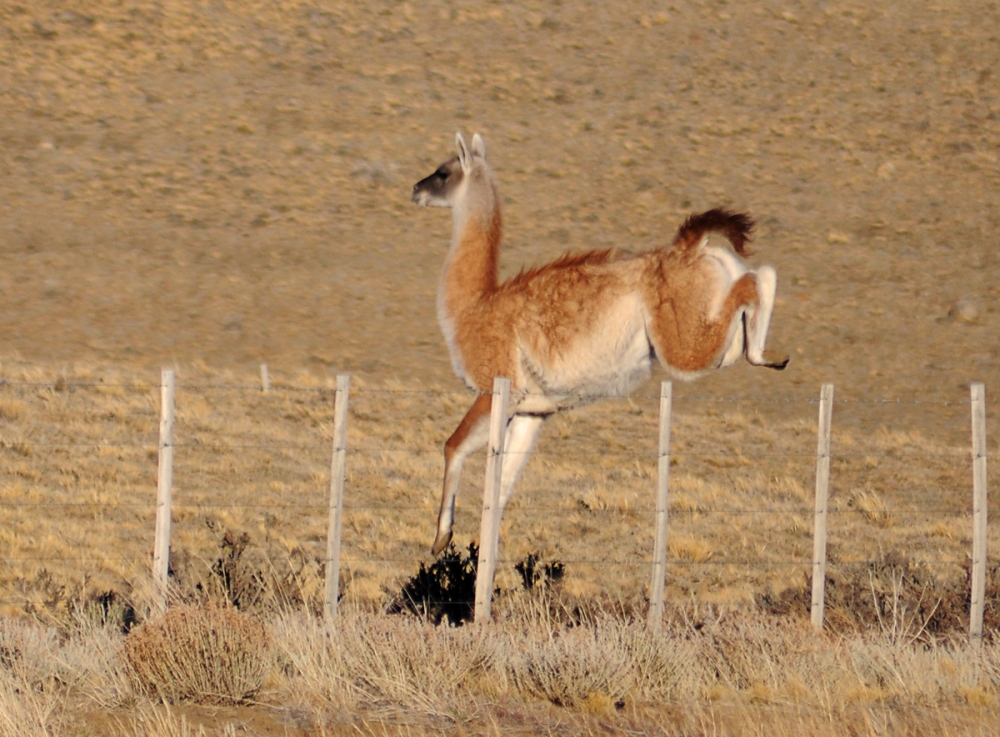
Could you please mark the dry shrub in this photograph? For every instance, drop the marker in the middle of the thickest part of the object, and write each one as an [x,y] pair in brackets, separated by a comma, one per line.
[27,654]
[570,651]
[28,680]
[312,676]
[894,596]
[202,654]
[445,590]
[403,662]
[666,664]
[385,664]
[573,666]
[248,576]
[536,572]
[881,669]
[764,656]
[40,666]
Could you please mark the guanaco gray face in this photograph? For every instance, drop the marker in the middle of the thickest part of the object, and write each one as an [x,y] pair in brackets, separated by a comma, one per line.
[438,189]
[444,186]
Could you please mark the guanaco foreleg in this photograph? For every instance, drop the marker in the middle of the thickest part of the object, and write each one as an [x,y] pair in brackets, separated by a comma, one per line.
[472,433]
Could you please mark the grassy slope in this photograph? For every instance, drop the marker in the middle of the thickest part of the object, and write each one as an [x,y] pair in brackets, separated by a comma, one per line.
[79,466]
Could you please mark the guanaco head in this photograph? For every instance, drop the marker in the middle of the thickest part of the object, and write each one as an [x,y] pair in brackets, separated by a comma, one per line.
[449,181]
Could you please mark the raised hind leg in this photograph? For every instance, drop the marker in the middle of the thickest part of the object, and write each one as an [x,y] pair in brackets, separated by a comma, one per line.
[472,433]
[688,340]
[757,319]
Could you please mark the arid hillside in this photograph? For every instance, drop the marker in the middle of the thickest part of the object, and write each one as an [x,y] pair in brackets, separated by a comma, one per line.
[229,182]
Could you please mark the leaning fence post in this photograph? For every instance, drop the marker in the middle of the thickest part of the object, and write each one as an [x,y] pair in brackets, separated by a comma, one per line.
[489,528]
[977,599]
[662,491]
[164,483]
[822,496]
[338,467]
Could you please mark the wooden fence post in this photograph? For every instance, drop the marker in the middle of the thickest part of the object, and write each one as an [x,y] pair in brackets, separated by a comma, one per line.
[489,527]
[662,492]
[164,484]
[977,599]
[822,496]
[338,467]
[265,379]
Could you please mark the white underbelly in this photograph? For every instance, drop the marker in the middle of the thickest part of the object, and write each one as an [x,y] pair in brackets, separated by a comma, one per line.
[609,359]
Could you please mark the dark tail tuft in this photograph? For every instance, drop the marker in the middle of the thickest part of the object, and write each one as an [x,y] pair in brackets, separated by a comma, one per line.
[737,227]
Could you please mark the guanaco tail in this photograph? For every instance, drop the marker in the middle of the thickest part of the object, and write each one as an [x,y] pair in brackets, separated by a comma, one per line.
[585,325]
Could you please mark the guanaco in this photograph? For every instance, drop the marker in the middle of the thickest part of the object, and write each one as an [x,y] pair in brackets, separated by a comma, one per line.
[586,325]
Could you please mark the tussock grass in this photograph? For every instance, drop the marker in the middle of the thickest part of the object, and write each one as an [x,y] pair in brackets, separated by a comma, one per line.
[572,667]
[202,654]
[45,671]
[544,661]
[612,665]
[871,507]
[24,712]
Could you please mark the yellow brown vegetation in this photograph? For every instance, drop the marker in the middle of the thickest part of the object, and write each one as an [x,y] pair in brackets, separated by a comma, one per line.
[202,654]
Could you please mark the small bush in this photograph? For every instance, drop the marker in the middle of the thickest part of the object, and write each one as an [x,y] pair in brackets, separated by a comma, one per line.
[894,595]
[249,576]
[445,590]
[395,662]
[202,654]
[534,572]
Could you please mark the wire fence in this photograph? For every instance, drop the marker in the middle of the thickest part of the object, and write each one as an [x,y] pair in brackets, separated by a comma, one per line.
[78,468]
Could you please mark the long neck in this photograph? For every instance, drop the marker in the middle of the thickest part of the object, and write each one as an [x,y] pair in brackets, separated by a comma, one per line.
[472,267]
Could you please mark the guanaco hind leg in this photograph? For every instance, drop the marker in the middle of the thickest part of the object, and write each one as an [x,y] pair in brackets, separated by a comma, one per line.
[685,341]
[757,319]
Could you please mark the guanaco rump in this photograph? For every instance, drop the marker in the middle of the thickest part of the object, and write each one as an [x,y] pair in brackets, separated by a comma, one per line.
[584,326]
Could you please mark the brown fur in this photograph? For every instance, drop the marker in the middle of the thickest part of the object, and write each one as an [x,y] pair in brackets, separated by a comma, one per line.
[566,261]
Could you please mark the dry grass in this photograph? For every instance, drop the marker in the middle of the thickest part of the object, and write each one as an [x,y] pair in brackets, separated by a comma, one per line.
[25,712]
[249,529]
[706,671]
[252,475]
[149,721]
[615,667]
[46,673]
[206,655]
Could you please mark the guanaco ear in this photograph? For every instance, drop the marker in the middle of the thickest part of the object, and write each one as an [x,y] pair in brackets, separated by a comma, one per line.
[464,157]
[479,146]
